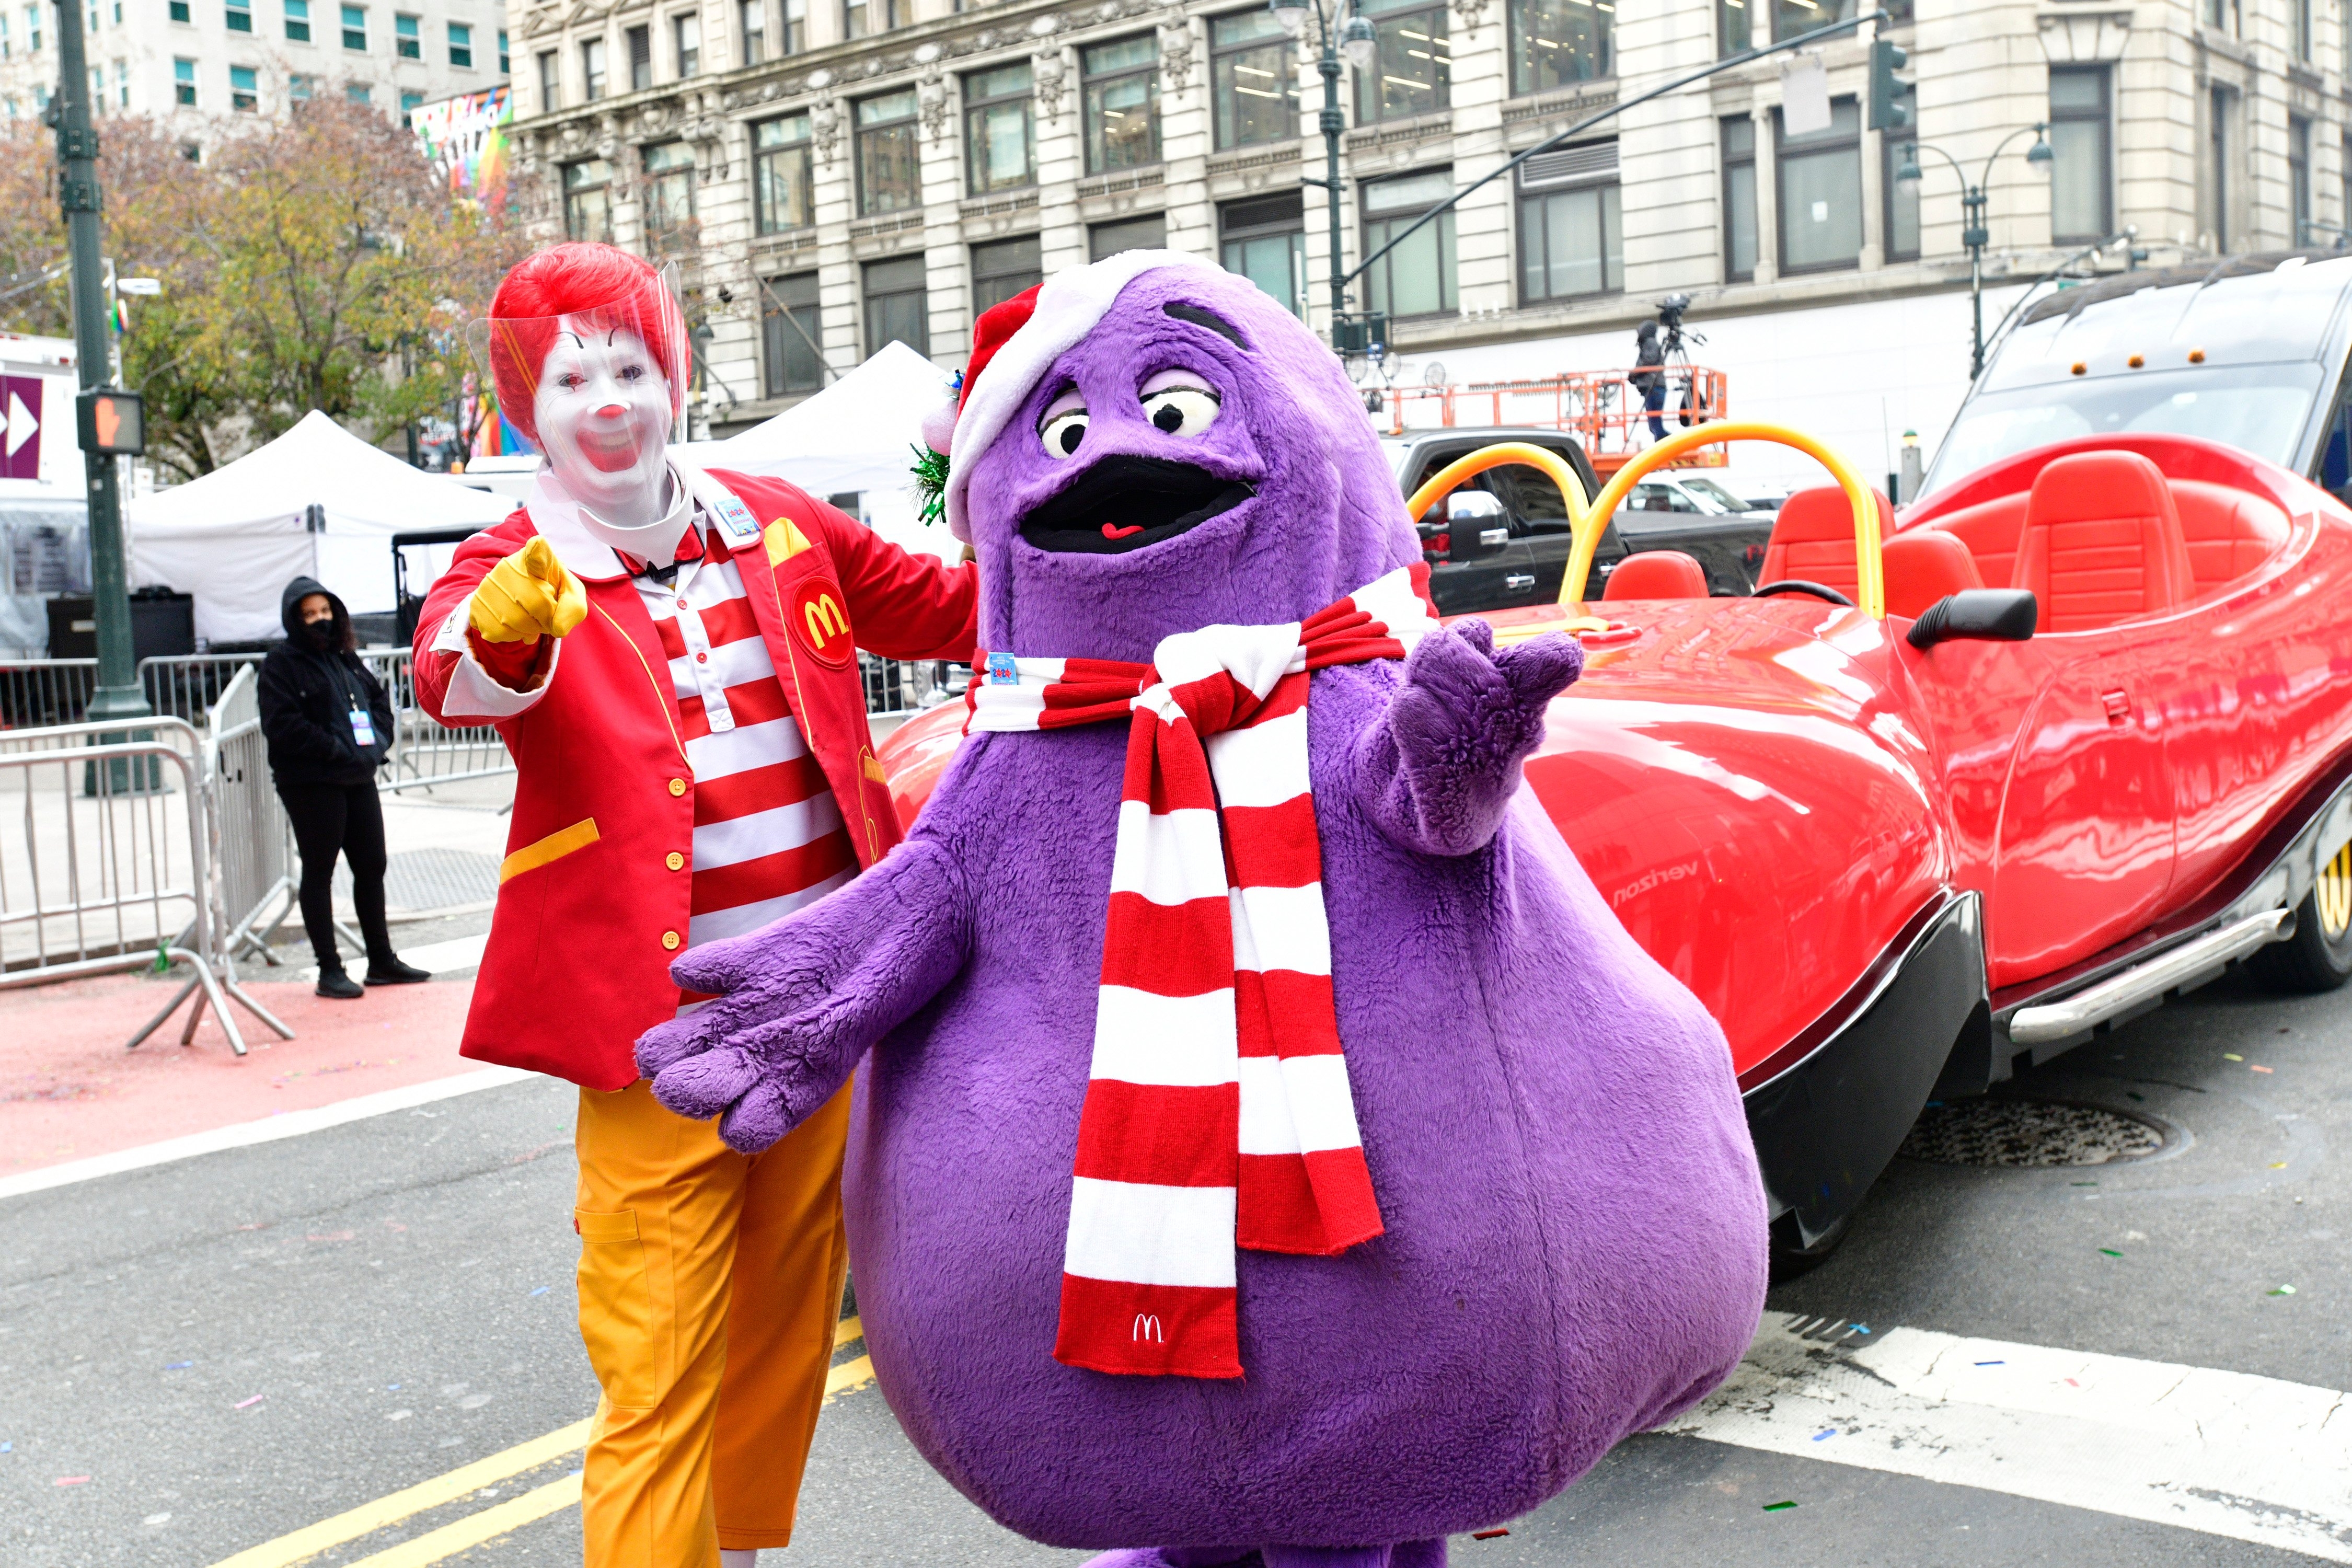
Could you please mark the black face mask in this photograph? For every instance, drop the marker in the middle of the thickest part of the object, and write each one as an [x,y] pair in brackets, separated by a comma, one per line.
[320,635]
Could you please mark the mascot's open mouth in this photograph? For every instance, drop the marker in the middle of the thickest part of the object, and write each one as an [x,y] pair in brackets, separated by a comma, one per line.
[1126,502]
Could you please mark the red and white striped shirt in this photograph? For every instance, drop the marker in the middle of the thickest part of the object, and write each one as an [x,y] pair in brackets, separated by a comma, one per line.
[768,834]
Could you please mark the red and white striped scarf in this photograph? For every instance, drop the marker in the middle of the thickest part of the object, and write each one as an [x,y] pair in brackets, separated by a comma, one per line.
[1217,1112]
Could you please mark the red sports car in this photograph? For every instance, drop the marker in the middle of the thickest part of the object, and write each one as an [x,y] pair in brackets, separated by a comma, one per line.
[2098,749]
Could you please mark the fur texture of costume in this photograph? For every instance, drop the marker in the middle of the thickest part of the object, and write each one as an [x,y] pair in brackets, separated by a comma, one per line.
[1574,1245]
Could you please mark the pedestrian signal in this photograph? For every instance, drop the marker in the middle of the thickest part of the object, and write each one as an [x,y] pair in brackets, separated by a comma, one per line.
[112,421]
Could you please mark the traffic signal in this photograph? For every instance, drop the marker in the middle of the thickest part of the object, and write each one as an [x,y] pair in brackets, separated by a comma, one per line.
[1887,109]
[112,421]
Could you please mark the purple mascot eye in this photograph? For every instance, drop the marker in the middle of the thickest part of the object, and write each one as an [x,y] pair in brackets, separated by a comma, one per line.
[1063,433]
[1182,410]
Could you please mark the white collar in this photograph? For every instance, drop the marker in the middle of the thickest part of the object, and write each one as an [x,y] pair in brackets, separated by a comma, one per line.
[557,514]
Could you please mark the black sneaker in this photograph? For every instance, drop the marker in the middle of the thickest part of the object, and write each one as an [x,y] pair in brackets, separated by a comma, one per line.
[396,973]
[336,983]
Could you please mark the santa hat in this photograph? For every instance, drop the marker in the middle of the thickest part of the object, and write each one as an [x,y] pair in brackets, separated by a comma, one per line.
[1016,343]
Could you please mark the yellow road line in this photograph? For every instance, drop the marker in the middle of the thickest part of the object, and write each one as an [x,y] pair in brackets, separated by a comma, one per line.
[475,1528]
[849,1375]
[846,1330]
[370,1517]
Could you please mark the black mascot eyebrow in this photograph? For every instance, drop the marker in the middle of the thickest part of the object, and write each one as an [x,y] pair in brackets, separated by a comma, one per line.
[1199,317]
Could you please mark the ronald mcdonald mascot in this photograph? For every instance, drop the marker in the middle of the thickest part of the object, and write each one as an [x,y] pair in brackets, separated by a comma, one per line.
[670,656]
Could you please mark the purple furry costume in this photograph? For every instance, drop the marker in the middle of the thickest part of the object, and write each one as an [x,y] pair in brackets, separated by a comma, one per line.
[1575,1229]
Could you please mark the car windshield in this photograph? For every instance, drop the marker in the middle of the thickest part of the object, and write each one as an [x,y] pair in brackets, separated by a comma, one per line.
[1398,453]
[1706,491]
[2261,409]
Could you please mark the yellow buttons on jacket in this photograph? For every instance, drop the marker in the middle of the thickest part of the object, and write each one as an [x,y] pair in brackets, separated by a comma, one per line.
[674,861]
[677,786]
[669,941]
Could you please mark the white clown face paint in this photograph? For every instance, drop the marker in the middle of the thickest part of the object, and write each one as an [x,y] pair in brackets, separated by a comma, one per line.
[603,413]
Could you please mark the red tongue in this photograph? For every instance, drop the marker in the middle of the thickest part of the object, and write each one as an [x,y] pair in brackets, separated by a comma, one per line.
[1112,532]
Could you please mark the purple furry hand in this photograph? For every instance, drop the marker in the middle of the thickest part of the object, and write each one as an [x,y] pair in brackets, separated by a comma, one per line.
[1443,767]
[800,1001]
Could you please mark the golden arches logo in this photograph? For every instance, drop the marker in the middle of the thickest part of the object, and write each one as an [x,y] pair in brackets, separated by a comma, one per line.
[824,619]
[822,623]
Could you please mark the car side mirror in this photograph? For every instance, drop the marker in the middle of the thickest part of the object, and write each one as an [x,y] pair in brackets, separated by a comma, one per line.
[1980,614]
[1477,525]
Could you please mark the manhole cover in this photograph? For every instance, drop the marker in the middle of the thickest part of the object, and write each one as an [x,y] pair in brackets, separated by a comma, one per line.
[2028,1132]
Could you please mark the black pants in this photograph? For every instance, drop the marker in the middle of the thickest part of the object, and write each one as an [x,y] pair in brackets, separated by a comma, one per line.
[348,819]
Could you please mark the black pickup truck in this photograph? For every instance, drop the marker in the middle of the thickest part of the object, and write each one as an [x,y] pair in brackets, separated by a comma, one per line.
[1527,569]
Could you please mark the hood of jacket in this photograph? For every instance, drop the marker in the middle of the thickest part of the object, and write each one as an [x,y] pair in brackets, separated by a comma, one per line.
[289,614]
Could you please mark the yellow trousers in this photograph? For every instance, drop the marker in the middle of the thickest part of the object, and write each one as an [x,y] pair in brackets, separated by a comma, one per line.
[710,1285]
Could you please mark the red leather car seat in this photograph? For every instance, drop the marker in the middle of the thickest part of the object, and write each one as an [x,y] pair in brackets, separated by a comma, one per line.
[2101,543]
[1812,539]
[1990,529]
[1924,565]
[1657,575]
[2228,532]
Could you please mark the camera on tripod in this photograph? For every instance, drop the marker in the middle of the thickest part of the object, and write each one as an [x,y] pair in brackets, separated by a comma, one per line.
[1670,316]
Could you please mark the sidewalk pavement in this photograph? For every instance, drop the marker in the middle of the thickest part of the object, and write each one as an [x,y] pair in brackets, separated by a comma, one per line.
[69,1090]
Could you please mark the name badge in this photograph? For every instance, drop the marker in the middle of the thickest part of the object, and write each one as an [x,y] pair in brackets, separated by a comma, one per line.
[362,727]
[1002,671]
[734,518]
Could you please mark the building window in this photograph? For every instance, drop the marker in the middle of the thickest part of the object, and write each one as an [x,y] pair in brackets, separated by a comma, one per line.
[1820,192]
[122,84]
[1735,27]
[1739,198]
[1416,279]
[355,28]
[2082,176]
[588,200]
[298,21]
[504,69]
[244,90]
[1251,79]
[640,40]
[890,178]
[789,332]
[685,37]
[461,46]
[754,20]
[2218,109]
[358,92]
[407,37]
[795,35]
[2298,177]
[1412,75]
[409,100]
[669,195]
[240,19]
[897,308]
[2299,29]
[1902,195]
[1571,236]
[1263,238]
[300,87]
[592,69]
[999,149]
[781,175]
[1555,43]
[1790,17]
[1121,103]
[178,10]
[864,18]
[1147,233]
[33,26]
[1004,268]
[551,82]
[183,83]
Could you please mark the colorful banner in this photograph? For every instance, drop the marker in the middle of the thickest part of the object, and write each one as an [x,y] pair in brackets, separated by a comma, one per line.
[467,137]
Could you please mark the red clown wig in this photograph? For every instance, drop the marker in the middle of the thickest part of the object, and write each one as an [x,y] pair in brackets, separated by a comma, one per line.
[601,286]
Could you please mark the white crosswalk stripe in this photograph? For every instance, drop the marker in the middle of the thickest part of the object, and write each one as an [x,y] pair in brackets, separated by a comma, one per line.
[2224,1453]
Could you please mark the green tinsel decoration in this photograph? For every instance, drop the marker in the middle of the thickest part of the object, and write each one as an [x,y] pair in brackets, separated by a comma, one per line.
[931,473]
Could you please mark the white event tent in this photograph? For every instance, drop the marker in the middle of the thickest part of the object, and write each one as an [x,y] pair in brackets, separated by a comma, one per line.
[317,502]
[856,436]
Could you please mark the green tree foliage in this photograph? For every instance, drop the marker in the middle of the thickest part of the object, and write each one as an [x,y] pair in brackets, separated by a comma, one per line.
[314,262]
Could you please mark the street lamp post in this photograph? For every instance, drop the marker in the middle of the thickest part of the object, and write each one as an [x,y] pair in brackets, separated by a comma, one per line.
[1360,45]
[1974,234]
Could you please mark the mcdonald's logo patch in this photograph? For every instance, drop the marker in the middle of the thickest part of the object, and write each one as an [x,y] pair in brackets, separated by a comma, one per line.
[820,618]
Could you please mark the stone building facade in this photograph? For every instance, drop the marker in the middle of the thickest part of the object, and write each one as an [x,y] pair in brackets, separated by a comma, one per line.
[833,174]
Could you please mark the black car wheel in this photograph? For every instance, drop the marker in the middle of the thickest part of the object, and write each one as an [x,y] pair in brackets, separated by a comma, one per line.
[1791,1257]
[2318,957]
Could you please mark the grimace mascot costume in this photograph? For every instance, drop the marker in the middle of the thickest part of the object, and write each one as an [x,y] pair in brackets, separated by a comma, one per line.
[1272,1150]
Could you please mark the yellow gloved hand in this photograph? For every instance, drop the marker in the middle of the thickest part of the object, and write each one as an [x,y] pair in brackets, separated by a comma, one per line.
[528,596]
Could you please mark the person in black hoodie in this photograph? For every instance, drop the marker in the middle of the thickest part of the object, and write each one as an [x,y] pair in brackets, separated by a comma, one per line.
[327,720]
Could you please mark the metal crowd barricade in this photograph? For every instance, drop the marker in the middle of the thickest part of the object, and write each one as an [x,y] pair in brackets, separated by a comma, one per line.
[41,693]
[187,686]
[900,689]
[98,875]
[424,752]
[254,859]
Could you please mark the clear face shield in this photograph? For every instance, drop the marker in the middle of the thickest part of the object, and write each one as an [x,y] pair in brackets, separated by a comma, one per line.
[607,386]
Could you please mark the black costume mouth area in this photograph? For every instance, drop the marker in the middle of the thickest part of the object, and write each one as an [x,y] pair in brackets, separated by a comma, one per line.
[1125,502]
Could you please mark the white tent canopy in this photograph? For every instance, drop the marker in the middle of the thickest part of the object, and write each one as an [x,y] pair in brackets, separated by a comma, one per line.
[856,436]
[235,537]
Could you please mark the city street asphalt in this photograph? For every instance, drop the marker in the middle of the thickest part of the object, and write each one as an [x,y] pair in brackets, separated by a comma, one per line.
[201,1358]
